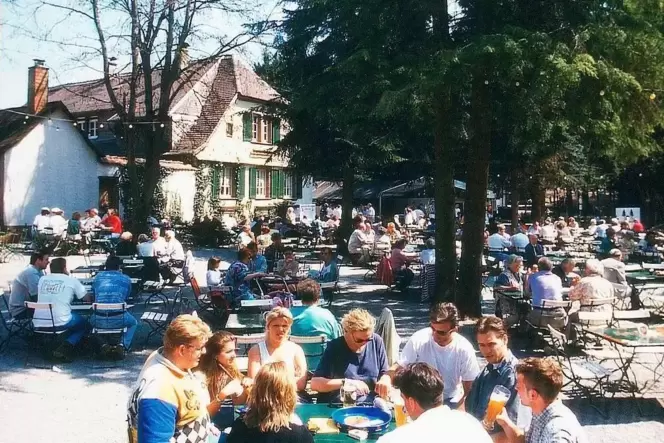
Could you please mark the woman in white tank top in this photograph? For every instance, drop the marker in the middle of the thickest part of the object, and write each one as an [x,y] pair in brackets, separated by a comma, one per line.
[277,347]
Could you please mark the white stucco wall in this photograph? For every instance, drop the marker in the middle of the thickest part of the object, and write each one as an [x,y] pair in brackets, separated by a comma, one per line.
[221,148]
[307,193]
[49,167]
[181,185]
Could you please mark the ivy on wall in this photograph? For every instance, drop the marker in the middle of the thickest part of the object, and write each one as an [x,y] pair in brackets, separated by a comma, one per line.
[158,209]
[206,197]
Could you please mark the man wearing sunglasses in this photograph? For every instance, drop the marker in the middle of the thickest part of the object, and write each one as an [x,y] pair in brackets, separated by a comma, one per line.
[442,347]
[357,358]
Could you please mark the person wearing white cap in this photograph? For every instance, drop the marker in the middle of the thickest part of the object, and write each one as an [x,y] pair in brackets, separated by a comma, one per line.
[58,222]
[42,220]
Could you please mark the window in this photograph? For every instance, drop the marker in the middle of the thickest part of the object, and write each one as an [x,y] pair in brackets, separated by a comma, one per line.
[80,123]
[229,129]
[256,128]
[266,133]
[260,183]
[92,128]
[225,180]
[288,185]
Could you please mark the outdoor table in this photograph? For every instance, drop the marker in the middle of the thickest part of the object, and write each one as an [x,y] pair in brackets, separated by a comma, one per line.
[241,323]
[87,307]
[643,280]
[628,344]
[307,411]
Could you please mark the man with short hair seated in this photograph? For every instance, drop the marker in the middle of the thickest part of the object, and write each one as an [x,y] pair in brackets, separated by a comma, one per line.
[545,285]
[112,286]
[499,371]
[61,289]
[498,243]
[538,382]
[422,392]
[564,271]
[358,357]
[311,320]
[172,256]
[26,284]
[441,346]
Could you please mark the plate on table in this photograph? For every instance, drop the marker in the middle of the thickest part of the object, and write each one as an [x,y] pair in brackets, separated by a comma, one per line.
[368,418]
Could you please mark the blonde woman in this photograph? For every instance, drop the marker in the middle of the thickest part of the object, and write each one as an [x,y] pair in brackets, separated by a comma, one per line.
[277,347]
[357,358]
[270,410]
[392,232]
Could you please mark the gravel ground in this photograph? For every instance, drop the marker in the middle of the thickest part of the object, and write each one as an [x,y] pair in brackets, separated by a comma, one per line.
[85,401]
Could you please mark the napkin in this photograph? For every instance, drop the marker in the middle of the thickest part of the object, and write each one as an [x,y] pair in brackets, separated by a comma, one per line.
[322,425]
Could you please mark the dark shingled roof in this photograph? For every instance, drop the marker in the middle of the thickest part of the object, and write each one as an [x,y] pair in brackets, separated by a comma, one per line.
[232,78]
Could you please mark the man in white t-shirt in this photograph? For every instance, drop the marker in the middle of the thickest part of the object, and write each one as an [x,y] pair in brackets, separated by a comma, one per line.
[441,346]
[61,290]
[42,220]
[422,393]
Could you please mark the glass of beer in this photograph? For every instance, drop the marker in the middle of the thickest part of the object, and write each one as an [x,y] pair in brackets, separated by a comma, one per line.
[497,401]
[400,414]
[348,394]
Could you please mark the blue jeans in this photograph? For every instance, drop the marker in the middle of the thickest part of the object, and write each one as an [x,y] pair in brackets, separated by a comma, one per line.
[76,328]
[117,322]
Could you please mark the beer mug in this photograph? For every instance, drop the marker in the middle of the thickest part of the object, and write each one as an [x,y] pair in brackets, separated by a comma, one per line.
[348,394]
[497,402]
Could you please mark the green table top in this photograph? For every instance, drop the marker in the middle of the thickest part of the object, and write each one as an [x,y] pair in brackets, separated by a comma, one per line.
[643,276]
[630,336]
[307,411]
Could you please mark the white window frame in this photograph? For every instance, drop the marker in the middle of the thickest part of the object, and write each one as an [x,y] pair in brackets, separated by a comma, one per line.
[229,133]
[288,185]
[255,127]
[225,182]
[266,133]
[80,124]
[92,128]
[261,182]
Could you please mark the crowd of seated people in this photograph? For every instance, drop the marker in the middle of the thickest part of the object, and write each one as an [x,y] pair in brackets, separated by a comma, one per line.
[438,378]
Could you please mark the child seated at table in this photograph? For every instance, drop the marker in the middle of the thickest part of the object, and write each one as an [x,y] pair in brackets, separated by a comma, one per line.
[213,274]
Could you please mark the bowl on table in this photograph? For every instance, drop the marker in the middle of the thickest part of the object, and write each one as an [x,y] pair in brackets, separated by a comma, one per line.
[368,418]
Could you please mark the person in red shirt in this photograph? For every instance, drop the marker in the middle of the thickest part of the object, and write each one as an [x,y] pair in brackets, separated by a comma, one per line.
[638,227]
[113,221]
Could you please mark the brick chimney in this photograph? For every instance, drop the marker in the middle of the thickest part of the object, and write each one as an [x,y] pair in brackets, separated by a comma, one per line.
[37,87]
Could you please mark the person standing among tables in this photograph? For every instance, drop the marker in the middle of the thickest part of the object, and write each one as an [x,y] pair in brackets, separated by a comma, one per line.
[539,382]
[545,285]
[169,403]
[533,250]
[357,358]
[61,289]
[310,320]
[499,371]
[441,346]
[511,280]
[421,389]
[112,286]
[26,285]
[403,275]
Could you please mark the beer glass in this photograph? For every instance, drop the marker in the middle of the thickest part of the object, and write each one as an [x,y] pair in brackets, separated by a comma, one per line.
[497,401]
[400,414]
[348,394]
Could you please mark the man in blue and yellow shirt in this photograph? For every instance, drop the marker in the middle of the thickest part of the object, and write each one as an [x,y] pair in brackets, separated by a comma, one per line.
[169,404]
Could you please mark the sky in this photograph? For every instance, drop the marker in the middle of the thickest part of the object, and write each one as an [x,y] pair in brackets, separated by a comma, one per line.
[29,30]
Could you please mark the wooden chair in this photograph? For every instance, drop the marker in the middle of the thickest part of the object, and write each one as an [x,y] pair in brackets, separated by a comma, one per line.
[215,300]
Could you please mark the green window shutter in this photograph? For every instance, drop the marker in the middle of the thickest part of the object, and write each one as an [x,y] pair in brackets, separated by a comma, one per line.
[246,127]
[274,184]
[282,181]
[297,186]
[252,182]
[240,186]
[276,131]
[215,181]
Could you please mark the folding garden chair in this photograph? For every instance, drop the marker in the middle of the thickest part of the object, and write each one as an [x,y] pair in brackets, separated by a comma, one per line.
[14,327]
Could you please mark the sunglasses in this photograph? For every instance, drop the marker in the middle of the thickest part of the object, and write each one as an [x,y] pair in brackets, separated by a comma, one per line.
[361,341]
[442,333]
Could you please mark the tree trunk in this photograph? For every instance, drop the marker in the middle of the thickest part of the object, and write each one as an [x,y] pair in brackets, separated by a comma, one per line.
[346,227]
[538,200]
[446,263]
[470,282]
[569,200]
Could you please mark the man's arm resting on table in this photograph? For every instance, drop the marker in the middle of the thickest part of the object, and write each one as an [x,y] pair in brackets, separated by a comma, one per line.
[322,384]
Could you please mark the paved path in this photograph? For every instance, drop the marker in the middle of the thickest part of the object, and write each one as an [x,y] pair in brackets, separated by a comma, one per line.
[86,401]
